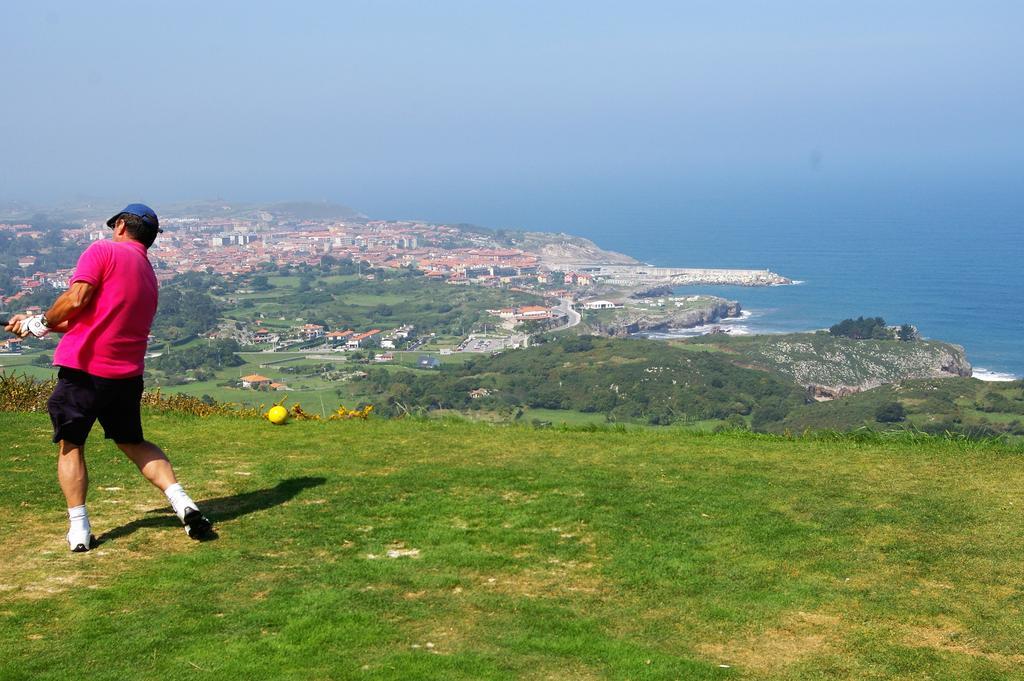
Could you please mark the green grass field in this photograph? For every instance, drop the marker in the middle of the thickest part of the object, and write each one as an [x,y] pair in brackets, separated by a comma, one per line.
[311,391]
[517,553]
[23,364]
[563,416]
[42,373]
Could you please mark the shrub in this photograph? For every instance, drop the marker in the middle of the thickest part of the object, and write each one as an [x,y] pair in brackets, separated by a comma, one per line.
[892,412]
[861,328]
[24,393]
[766,415]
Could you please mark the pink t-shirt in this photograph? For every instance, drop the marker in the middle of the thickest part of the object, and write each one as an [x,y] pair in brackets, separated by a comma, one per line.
[108,337]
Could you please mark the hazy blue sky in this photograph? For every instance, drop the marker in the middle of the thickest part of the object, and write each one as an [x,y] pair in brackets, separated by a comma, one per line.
[418,108]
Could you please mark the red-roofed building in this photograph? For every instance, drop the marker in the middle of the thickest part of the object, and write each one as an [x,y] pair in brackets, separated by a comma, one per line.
[311,331]
[255,381]
[362,339]
[338,337]
[532,312]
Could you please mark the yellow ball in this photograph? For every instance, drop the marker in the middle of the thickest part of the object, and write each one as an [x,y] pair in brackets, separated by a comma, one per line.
[277,415]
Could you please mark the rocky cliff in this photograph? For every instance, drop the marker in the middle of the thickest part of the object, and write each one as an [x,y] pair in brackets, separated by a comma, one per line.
[631,321]
[567,252]
[832,367]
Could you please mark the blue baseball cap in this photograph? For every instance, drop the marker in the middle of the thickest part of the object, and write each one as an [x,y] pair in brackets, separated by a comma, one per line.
[139,210]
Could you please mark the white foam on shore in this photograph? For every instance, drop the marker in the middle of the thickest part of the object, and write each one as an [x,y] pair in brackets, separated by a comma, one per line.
[730,325]
[986,375]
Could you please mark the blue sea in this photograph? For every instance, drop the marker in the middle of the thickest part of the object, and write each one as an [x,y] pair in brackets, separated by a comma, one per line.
[955,271]
[947,258]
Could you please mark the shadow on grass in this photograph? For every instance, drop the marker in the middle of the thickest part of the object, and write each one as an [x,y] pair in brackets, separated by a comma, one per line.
[220,509]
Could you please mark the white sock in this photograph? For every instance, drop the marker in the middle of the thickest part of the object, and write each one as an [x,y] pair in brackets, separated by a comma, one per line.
[179,500]
[78,520]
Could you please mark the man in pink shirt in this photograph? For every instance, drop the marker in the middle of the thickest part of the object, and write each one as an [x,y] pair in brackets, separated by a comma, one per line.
[105,316]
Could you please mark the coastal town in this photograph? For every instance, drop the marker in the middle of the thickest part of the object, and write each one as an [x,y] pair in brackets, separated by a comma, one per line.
[538,282]
[243,244]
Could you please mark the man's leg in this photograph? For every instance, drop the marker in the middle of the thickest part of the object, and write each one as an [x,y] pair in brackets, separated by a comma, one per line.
[155,467]
[72,474]
[152,463]
[71,409]
[74,482]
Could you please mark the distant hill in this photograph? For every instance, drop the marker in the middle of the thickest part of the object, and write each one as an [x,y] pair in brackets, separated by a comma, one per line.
[320,210]
[295,210]
[566,252]
[94,209]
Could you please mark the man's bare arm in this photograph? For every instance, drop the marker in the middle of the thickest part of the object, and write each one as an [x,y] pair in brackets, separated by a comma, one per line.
[68,305]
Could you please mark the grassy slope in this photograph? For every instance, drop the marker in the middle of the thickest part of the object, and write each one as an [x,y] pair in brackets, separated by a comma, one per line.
[543,554]
[944,403]
[631,379]
[346,302]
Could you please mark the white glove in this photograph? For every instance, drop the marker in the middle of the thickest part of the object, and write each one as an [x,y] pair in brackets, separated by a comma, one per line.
[33,325]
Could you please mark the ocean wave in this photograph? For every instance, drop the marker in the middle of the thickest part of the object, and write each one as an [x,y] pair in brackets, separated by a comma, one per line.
[985,375]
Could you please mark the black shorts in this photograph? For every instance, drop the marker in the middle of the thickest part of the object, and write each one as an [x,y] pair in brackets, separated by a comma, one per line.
[80,398]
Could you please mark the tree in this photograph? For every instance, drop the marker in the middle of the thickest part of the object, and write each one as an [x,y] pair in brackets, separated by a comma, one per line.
[907,333]
[767,415]
[861,328]
[892,412]
[211,356]
[578,344]
[184,312]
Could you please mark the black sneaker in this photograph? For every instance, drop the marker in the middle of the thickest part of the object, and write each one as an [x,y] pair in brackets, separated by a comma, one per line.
[197,526]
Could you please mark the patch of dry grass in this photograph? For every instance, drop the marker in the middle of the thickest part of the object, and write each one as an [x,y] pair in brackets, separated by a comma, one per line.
[797,636]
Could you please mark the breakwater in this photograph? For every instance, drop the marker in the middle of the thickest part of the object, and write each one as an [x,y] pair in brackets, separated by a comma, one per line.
[643,275]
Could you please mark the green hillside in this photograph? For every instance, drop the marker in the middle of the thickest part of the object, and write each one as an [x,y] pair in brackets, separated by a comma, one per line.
[404,549]
[630,380]
[964,406]
[342,301]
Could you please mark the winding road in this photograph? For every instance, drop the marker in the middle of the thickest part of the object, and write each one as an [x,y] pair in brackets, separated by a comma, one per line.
[565,306]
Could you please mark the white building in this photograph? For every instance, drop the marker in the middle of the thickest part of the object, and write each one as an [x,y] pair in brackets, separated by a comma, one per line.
[600,305]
